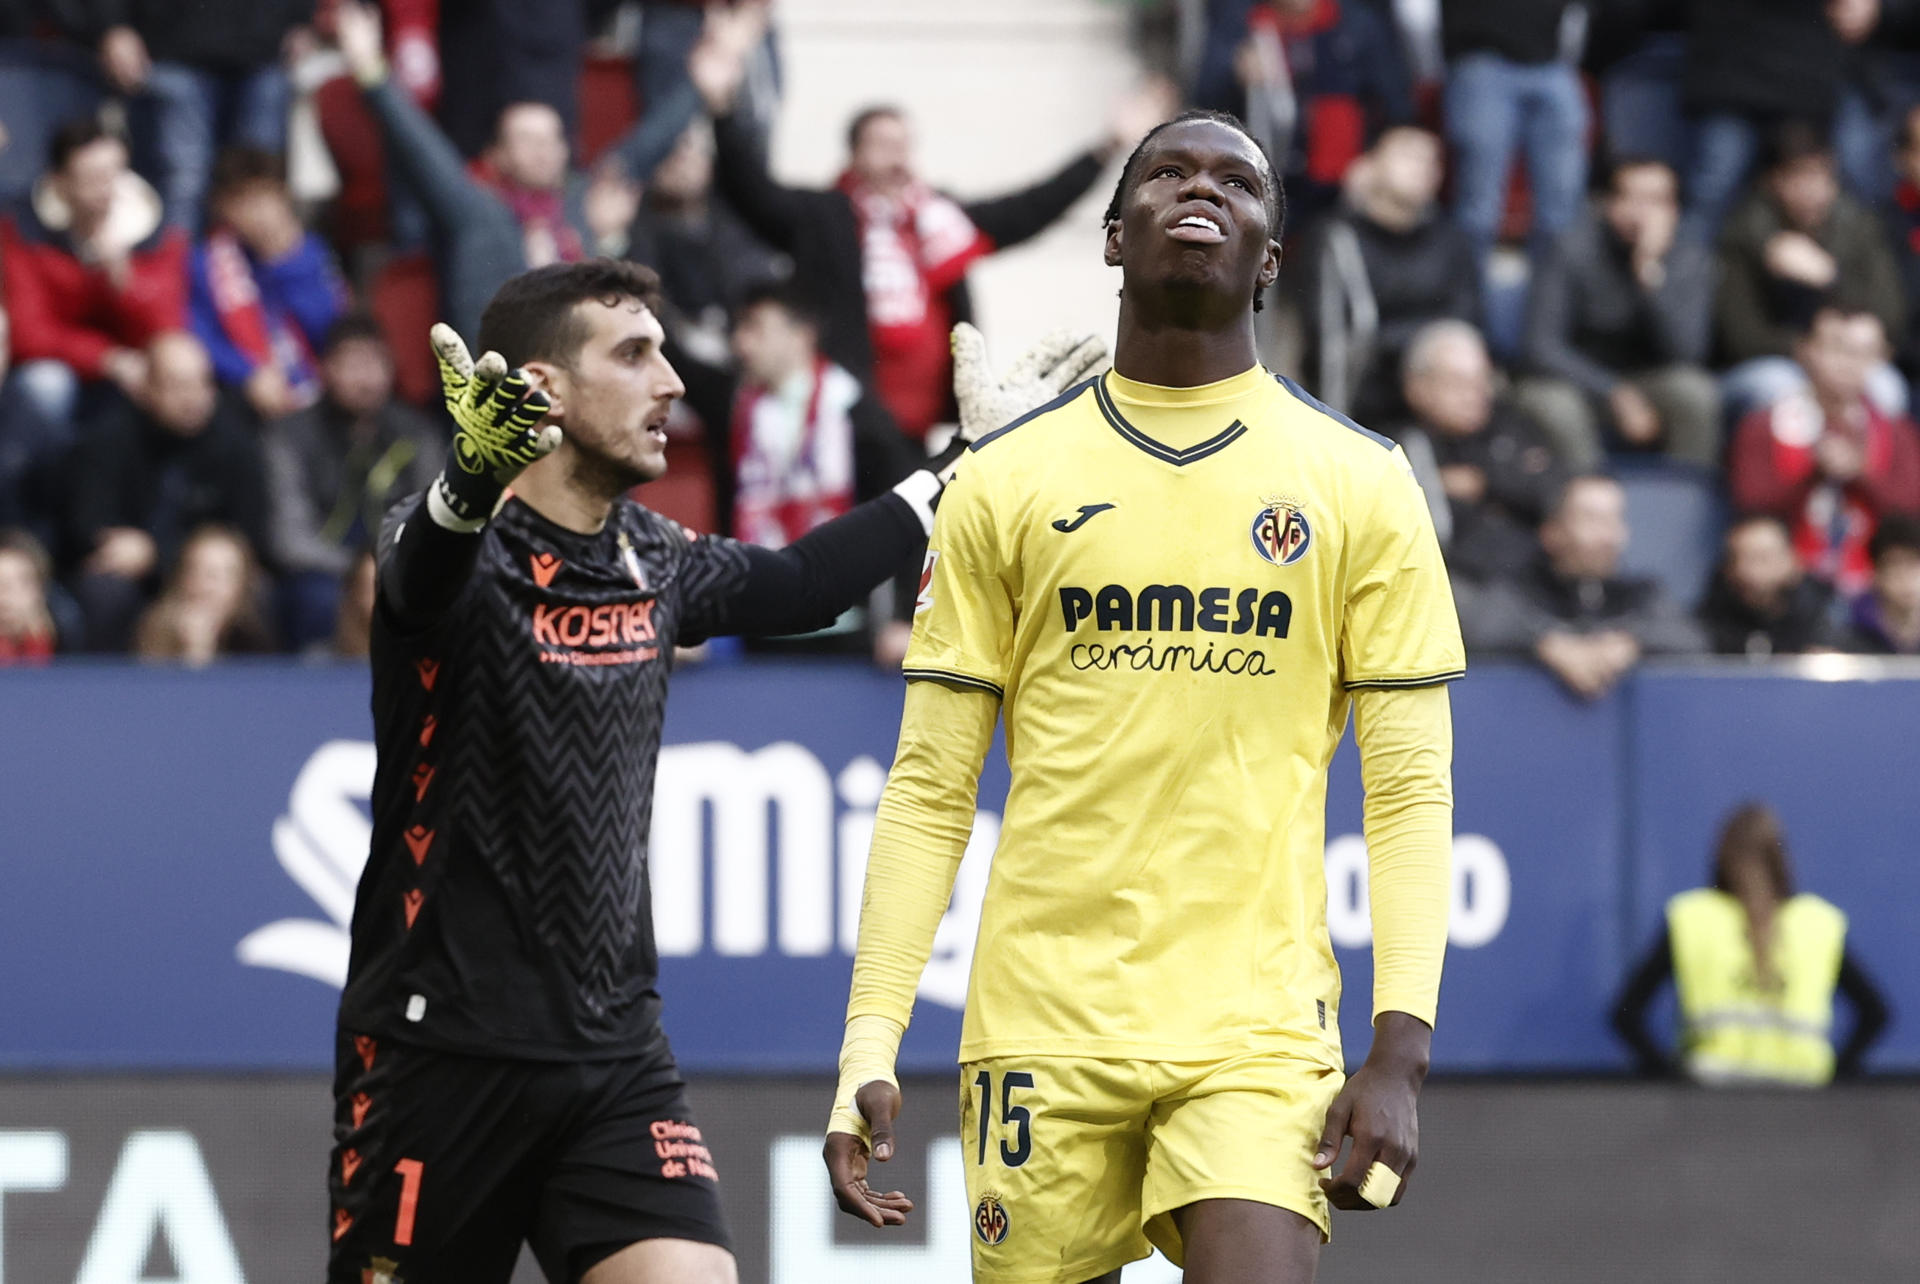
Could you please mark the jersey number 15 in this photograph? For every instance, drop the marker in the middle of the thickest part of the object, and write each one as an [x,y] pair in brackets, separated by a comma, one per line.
[1016,1143]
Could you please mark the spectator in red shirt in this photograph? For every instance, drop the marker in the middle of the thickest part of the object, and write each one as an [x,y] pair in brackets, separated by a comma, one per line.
[1828,461]
[881,256]
[26,625]
[91,276]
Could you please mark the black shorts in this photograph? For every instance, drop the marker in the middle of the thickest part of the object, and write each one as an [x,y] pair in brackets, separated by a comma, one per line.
[444,1164]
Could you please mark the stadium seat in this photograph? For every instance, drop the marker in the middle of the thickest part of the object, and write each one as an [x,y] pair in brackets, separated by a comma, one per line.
[359,212]
[405,297]
[608,105]
[1676,514]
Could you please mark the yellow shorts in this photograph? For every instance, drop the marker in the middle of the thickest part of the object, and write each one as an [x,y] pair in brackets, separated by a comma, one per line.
[1075,1165]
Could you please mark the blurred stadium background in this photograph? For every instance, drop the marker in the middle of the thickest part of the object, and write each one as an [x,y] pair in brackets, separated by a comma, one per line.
[181,840]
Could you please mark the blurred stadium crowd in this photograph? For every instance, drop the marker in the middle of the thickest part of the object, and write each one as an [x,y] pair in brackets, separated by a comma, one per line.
[1622,267]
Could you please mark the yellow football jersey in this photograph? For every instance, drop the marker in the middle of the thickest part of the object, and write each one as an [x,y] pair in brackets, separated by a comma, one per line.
[1174,591]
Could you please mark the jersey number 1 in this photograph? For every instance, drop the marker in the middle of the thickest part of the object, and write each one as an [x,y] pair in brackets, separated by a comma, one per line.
[1017,1151]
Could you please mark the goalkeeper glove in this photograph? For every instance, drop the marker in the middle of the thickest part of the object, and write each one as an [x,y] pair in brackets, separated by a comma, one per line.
[1043,372]
[497,432]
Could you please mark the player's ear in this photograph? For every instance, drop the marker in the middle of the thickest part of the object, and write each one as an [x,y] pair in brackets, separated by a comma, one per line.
[1270,267]
[1113,244]
[552,380]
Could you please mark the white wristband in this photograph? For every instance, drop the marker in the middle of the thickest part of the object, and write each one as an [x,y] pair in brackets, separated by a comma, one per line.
[444,516]
[920,489]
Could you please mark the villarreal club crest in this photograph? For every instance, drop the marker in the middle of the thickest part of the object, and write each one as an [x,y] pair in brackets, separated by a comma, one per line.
[1280,531]
[990,1219]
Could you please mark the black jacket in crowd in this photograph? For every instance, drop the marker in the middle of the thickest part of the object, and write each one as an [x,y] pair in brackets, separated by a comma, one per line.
[214,35]
[1774,59]
[1498,534]
[819,229]
[1801,621]
[1590,321]
[129,471]
[1422,274]
[1518,30]
[1514,614]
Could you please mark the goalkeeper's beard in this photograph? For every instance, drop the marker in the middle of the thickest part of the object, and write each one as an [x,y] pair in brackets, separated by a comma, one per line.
[601,477]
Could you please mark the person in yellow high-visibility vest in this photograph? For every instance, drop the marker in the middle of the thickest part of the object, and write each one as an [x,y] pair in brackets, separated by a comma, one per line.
[1756,965]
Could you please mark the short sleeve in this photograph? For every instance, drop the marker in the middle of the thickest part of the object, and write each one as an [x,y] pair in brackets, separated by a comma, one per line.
[963,617]
[1399,628]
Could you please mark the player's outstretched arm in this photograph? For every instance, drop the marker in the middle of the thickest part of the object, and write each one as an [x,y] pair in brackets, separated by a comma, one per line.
[1406,753]
[919,835]
[428,553]
[809,583]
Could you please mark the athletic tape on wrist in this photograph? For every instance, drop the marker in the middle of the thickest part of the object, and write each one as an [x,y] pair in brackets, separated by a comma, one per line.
[1380,1186]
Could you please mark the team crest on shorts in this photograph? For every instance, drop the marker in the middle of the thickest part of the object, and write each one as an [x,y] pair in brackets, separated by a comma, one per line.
[381,1271]
[1280,531]
[990,1219]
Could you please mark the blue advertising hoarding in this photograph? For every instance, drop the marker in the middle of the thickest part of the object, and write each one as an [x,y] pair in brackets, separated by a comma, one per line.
[181,847]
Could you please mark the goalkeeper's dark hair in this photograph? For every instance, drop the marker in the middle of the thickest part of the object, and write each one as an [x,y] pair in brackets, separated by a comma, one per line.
[535,316]
[1276,201]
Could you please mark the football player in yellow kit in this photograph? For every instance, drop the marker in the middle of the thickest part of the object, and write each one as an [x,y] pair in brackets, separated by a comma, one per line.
[1173,582]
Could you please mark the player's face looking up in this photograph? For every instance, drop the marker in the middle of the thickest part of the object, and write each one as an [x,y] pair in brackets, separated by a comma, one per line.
[1194,236]
[612,398]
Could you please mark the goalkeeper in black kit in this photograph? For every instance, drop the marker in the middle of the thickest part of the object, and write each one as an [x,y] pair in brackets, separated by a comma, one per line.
[501,1074]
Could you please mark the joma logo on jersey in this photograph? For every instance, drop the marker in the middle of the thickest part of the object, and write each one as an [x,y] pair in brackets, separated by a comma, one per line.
[615,624]
[1171,608]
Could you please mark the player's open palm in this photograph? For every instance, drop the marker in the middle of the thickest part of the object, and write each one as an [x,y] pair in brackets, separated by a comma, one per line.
[1044,371]
[497,414]
[1377,1109]
[847,1157]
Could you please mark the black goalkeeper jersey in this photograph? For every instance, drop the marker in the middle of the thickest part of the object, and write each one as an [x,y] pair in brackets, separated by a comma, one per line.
[504,909]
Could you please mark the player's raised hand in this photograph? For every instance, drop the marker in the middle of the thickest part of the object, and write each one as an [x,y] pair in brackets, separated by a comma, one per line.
[1378,1110]
[497,417]
[878,1103]
[1040,374]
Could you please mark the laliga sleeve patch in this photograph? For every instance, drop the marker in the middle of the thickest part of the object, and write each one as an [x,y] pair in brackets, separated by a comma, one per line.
[925,599]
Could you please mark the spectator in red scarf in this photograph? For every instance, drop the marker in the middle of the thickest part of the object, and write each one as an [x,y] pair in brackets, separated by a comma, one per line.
[91,276]
[1828,461]
[26,625]
[882,256]
[806,441]
[520,206]
[264,289]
